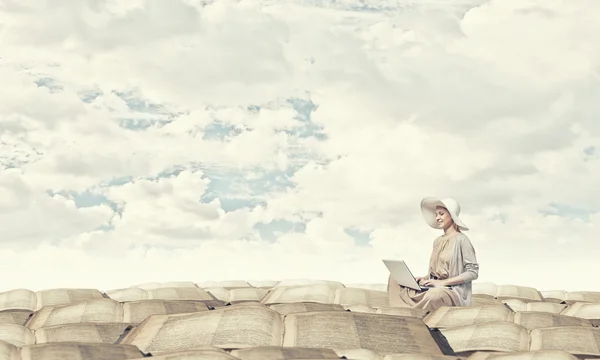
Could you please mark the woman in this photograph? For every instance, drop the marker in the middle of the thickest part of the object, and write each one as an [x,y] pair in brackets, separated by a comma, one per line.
[452,266]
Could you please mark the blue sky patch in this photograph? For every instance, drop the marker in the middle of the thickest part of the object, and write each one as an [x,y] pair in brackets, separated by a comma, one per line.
[88,198]
[49,83]
[361,237]
[217,130]
[304,109]
[568,211]
[272,230]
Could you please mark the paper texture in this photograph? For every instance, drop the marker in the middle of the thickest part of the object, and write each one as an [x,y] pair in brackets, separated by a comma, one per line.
[347,330]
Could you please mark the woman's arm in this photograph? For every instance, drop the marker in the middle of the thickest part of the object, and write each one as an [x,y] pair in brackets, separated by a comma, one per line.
[456,280]
[470,265]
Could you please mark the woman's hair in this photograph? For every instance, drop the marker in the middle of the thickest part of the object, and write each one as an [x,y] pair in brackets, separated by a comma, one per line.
[455,226]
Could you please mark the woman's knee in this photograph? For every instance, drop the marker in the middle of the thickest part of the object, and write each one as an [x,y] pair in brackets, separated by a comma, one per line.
[434,294]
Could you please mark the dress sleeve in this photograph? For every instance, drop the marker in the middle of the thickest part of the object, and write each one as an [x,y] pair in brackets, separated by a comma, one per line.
[470,267]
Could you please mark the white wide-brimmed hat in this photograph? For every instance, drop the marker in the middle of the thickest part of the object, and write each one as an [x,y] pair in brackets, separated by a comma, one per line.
[429,204]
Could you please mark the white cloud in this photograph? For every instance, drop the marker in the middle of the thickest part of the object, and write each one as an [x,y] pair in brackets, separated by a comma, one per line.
[229,139]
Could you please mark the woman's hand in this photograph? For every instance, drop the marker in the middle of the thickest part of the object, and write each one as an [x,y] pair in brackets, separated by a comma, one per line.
[420,279]
[432,282]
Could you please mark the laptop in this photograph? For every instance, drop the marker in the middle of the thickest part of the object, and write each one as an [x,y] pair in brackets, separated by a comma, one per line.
[403,276]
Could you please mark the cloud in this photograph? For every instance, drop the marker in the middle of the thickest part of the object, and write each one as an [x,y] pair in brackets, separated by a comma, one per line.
[230,139]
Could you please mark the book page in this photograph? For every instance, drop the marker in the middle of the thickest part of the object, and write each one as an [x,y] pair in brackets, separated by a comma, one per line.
[518,292]
[263,284]
[324,294]
[9,351]
[515,304]
[497,336]
[246,294]
[77,351]
[18,299]
[18,317]
[370,298]
[453,316]
[402,311]
[347,330]
[534,320]
[135,312]
[99,311]
[127,294]
[582,296]
[577,340]
[246,303]
[293,308]
[359,308]
[548,307]
[555,296]
[54,297]
[184,293]
[484,288]
[228,327]
[17,335]
[477,300]
[107,333]
[219,292]
[278,352]
[583,310]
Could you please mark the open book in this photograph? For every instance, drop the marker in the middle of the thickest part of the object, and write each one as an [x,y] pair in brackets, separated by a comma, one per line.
[110,311]
[583,310]
[523,293]
[505,336]
[135,312]
[95,311]
[237,327]
[62,351]
[455,316]
[569,297]
[29,300]
[481,299]
[326,294]
[165,293]
[299,307]
[92,333]
[233,296]
[541,306]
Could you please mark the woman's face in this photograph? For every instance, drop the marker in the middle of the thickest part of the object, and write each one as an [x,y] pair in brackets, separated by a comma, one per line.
[443,218]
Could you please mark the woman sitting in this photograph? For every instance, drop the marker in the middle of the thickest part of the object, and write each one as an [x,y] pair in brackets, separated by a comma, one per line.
[452,266]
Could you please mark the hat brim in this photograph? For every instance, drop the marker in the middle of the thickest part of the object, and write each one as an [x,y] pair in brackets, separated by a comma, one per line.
[428,206]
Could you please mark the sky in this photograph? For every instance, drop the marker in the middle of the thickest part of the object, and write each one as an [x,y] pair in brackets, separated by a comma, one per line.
[196,140]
